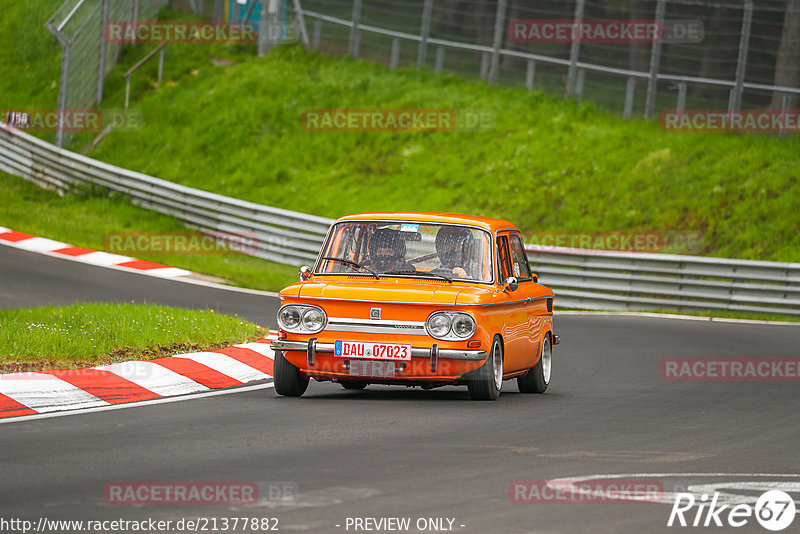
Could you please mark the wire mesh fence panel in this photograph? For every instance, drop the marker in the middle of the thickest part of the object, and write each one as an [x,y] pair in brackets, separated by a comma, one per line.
[723,54]
[87,56]
[718,54]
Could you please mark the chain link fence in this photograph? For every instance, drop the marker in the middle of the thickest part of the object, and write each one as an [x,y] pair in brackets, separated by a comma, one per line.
[86,57]
[744,56]
[747,55]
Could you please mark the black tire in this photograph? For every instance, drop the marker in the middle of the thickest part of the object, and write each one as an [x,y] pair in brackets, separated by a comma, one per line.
[288,380]
[353,384]
[489,380]
[537,378]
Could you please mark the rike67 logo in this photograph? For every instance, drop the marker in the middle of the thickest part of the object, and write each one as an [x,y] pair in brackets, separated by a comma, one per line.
[774,510]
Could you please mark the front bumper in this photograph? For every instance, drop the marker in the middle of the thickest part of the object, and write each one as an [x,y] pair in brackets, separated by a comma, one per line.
[312,346]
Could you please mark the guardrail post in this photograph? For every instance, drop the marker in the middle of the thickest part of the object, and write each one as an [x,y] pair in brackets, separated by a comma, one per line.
[354,35]
[317,34]
[630,87]
[530,72]
[784,109]
[579,84]
[270,20]
[439,59]
[301,22]
[575,47]
[735,102]
[135,17]
[394,62]
[101,67]
[681,97]
[161,64]
[62,92]
[655,62]
[424,32]
[484,65]
[499,22]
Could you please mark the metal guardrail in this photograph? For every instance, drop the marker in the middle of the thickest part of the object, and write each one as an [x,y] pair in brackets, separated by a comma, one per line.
[280,235]
[592,279]
[587,279]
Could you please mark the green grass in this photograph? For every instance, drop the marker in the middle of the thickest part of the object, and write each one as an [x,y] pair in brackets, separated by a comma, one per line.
[30,57]
[549,164]
[85,334]
[84,222]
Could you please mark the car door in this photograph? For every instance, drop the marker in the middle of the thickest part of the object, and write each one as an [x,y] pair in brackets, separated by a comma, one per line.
[531,318]
[512,306]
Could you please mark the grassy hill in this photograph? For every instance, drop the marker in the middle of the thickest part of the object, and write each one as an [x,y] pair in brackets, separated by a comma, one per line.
[548,164]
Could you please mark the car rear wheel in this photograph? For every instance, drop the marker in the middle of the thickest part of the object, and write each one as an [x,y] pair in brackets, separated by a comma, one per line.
[537,379]
[352,384]
[489,380]
[289,382]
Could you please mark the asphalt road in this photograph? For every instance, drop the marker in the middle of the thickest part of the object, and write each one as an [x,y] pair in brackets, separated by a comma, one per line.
[388,452]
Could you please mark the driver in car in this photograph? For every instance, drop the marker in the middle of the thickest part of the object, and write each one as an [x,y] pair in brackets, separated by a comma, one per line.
[387,251]
[454,247]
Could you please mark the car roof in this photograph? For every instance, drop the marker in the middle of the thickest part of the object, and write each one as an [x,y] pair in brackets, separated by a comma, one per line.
[493,225]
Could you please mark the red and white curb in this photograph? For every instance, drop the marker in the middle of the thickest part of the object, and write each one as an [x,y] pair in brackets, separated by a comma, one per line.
[71,389]
[103,259]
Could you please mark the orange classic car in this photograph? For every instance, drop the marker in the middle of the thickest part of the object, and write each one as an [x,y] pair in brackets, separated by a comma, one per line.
[417,299]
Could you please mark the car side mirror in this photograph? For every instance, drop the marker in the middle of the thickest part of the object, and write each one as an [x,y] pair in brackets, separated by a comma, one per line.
[535,278]
[511,284]
[305,273]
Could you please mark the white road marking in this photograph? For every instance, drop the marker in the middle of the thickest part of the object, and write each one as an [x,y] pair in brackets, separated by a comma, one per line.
[166,400]
[46,393]
[40,244]
[165,272]
[151,376]
[104,259]
[265,349]
[225,365]
[669,497]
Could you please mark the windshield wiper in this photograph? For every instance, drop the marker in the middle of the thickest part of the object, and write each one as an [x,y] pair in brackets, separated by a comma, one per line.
[423,273]
[352,264]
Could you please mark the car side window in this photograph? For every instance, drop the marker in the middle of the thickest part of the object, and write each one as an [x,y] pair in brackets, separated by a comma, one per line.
[503,268]
[519,261]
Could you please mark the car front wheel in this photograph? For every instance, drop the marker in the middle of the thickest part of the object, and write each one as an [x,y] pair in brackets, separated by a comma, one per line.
[289,382]
[537,379]
[489,380]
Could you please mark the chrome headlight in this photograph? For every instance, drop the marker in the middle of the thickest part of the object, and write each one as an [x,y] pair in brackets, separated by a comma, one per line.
[313,319]
[453,326]
[463,326]
[301,318]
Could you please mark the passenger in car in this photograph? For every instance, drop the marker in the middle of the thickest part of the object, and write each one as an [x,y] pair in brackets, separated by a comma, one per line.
[454,247]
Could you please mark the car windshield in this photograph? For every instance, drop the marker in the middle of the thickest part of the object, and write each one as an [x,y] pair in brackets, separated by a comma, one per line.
[443,251]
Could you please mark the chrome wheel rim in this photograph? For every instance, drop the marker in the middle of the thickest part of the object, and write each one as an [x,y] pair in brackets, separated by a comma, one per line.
[497,364]
[547,357]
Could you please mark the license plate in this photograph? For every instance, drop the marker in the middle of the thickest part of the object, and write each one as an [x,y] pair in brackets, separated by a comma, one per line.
[372,351]
[372,368]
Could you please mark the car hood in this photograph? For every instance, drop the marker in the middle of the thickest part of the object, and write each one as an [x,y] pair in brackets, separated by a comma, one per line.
[386,290]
